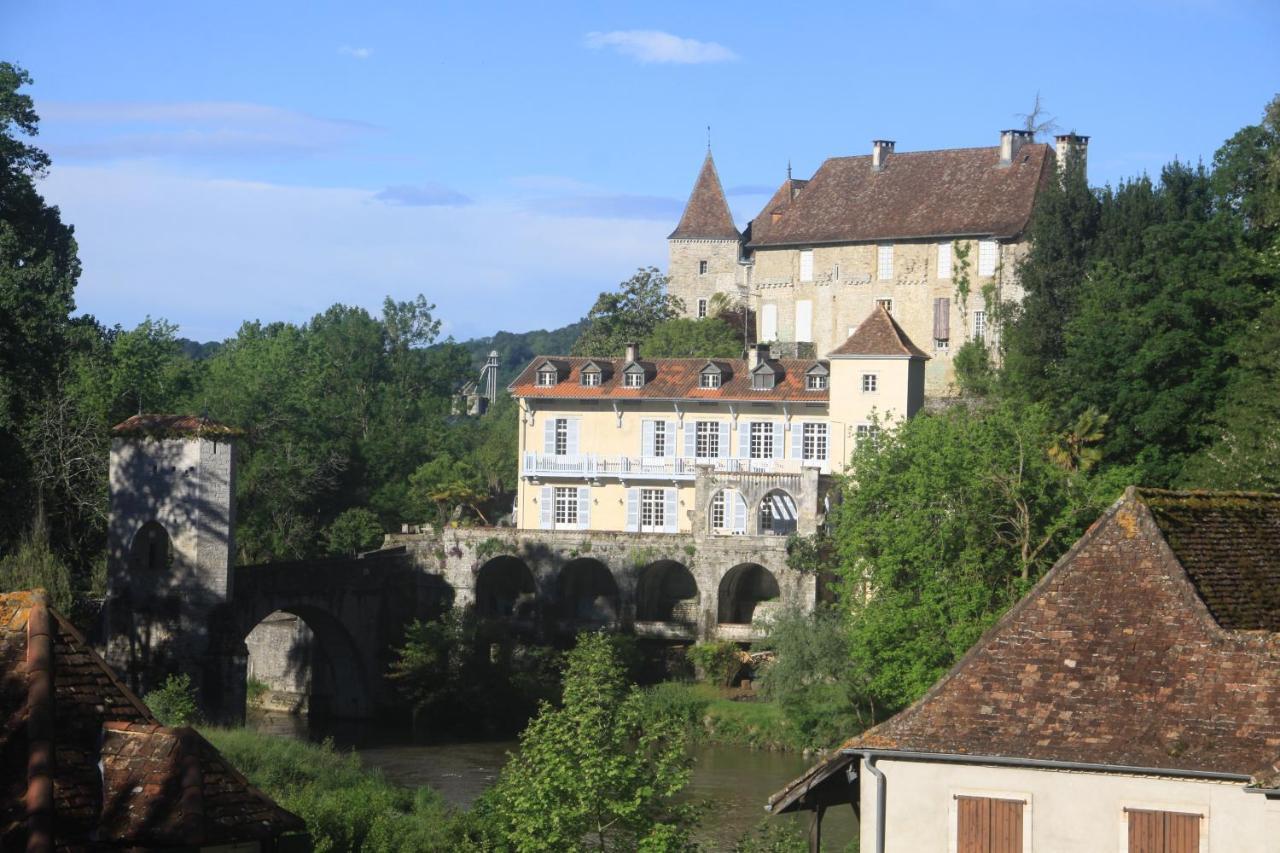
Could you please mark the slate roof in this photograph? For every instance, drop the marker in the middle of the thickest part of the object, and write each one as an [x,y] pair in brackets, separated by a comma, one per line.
[1117,658]
[669,379]
[957,192]
[170,426]
[706,215]
[758,228]
[157,787]
[879,335]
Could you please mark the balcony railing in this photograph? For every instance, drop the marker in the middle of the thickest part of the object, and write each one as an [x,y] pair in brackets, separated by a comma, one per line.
[594,466]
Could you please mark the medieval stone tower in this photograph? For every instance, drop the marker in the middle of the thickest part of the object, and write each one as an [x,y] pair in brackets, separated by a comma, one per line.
[705,250]
[170,547]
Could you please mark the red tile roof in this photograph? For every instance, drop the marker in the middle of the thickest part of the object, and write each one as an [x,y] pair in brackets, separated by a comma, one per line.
[173,426]
[879,335]
[157,786]
[670,379]
[706,216]
[958,192]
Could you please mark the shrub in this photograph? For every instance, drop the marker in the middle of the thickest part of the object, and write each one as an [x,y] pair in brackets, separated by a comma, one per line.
[34,566]
[255,690]
[174,702]
[353,531]
[716,663]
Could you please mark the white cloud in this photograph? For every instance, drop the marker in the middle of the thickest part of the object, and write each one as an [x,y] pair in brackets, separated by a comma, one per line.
[355,52]
[657,46]
[209,254]
[423,195]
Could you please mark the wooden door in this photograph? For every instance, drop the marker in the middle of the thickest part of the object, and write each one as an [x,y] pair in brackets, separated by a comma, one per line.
[1163,832]
[988,825]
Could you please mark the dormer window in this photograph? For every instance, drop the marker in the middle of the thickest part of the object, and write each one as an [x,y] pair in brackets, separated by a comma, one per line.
[633,376]
[547,376]
[591,379]
[815,382]
[709,380]
[763,378]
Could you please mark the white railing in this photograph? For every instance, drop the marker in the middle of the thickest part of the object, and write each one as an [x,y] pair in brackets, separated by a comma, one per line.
[598,466]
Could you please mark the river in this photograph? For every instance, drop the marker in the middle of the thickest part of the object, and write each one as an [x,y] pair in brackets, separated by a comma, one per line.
[736,780]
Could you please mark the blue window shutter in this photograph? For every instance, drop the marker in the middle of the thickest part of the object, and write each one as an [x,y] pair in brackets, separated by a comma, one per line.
[690,438]
[646,437]
[739,512]
[669,522]
[633,509]
[797,440]
[779,439]
[744,439]
[571,442]
[548,507]
[549,436]
[584,508]
[724,440]
[671,438]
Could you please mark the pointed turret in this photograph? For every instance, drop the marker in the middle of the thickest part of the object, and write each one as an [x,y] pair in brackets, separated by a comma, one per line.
[706,216]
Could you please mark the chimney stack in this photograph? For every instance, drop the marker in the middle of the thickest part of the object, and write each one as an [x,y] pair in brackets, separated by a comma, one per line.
[757,355]
[1071,144]
[633,352]
[880,151]
[1010,142]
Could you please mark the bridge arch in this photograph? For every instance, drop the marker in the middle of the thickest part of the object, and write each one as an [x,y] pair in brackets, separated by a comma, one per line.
[505,588]
[309,661]
[586,591]
[666,591]
[742,590]
[778,514]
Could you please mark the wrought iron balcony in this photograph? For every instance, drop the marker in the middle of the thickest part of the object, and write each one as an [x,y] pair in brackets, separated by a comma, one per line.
[592,466]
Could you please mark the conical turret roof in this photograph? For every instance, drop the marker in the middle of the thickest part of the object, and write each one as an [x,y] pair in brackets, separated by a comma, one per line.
[706,216]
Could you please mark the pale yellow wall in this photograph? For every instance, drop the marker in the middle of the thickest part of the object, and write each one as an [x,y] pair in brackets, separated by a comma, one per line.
[1066,812]
[851,406]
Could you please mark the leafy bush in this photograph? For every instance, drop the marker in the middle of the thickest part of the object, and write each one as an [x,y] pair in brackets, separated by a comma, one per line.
[34,566]
[716,663]
[772,835]
[174,702]
[353,531]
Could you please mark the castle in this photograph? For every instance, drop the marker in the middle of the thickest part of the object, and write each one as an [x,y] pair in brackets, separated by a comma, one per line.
[932,236]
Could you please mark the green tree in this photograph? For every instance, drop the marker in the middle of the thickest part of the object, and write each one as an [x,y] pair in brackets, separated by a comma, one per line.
[354,530]
[683,337]
[629,314]
[594,773]
[1246,174]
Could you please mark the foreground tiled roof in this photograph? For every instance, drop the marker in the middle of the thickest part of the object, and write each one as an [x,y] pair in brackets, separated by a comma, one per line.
[155,785]
[669,379]
[167,426]
[959,192]
[706,216]
[879,335]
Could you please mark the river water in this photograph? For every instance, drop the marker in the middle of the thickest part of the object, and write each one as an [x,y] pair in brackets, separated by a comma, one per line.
[735,780]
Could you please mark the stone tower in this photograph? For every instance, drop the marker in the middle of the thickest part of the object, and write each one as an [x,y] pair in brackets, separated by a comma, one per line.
[705,249]
[170,548]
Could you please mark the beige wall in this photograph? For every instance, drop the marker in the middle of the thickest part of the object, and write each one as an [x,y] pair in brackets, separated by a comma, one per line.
[1065,812]
[890,402]
[723,270]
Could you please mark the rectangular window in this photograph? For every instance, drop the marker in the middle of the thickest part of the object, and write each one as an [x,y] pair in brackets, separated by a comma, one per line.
[988,825]
[886,303]
[869,382]
[659,438]
[866,431]
[709,380]
[942,318]
[941,344]
[562,436]
[835,272]
[652,505]
[804,321]
[707,440]
[979,325]
[1163,832]
[546,378]
[806,264]
[702,308]
[944,260]
[987,254]
[702,267]
[816,382]
[761,440]
[566,506]
[768,323]
[633,380]
[591,379]
[884,262]
[815,442]
[717,510]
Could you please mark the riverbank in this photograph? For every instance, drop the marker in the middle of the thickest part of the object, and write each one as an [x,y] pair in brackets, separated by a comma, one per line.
[728,716]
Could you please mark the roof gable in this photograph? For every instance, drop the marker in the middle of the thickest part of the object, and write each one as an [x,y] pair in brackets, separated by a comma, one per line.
[706,215]
[878,335]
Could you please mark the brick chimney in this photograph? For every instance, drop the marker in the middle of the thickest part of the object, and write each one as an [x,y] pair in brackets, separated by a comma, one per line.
[756,355]
[880,151]
[1010,142]
[1072,144]
[633,352]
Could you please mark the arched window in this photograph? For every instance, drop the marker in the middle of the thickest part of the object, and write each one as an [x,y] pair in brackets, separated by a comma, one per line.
[151,550]
[728,512]
[778,514]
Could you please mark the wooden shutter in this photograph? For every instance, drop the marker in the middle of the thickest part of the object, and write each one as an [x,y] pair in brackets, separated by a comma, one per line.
[739,510]
[647,428]
[633,509]
[670,524]
[548,507]
[549,436]
[988,825]
[944,260]
[941,319]
[669,446]
[779,441]
[584,508]
[797,440]
[744,439]
[571,442]
[768,323]
[722,451]
[804,321]
[690,438]
[806,264]
[1163,832]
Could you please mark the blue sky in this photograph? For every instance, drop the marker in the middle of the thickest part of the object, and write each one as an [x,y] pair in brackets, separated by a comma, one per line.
[230,161]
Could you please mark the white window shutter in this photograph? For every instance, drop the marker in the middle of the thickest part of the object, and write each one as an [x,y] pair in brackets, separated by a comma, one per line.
[944,260]
[670,443]
[584,508]
[646,437]
[739,511]
[987,252]
[633,509]
[744,439]
[669,522]
[549,436]
[806,264]
[690,438]
[797,440]
[768,323]
[779,441]
[571,444]
[548,507]
[724,440]
[804,321]
[825,447]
